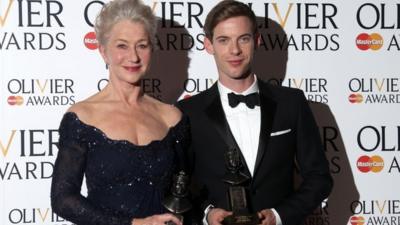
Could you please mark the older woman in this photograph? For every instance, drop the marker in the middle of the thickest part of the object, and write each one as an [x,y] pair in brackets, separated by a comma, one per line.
[123,141]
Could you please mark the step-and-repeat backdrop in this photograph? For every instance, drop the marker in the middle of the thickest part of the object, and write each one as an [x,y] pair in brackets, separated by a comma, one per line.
[343,54]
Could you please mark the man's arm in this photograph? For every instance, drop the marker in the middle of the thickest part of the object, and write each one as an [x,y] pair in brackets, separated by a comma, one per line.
[313,166]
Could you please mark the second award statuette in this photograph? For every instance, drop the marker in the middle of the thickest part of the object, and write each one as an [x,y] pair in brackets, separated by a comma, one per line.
[237,193]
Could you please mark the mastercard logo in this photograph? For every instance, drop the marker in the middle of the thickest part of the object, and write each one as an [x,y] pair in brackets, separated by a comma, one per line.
[366,41]
[90,41]
[367,164]
[357,220]
[356,98]
[15,100]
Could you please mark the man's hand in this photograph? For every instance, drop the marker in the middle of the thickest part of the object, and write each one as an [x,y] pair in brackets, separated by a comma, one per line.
[216,215]
[267,217]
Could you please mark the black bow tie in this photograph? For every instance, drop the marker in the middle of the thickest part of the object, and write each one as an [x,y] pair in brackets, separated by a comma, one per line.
[250,100]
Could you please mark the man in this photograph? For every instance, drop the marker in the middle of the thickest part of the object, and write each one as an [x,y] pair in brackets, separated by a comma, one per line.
[273,128]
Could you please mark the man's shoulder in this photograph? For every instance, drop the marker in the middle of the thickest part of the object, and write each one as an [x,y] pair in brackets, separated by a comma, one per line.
[279,92]
[197,101]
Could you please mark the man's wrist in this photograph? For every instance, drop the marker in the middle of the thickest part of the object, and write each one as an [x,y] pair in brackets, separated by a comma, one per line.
[277,217]
[206,211]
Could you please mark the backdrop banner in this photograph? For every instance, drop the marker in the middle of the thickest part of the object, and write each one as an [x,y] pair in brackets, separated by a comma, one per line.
[343,54]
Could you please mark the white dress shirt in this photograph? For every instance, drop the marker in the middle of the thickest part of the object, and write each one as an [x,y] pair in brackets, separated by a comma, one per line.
[244,123]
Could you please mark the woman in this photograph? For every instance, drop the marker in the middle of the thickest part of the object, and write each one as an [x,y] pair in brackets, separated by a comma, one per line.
[123,141]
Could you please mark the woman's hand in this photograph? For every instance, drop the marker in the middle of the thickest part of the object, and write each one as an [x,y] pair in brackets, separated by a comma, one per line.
[160,219]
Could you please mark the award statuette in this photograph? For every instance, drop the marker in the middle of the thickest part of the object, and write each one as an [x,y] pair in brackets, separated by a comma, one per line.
[178,203]
[237,194]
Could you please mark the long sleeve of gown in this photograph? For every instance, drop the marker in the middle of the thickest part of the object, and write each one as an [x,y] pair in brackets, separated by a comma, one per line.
[66,198]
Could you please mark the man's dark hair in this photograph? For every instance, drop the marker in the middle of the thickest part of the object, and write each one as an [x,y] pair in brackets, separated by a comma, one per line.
[227,9]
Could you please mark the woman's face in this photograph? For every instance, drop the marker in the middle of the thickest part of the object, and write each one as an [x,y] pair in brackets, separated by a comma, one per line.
[127,51]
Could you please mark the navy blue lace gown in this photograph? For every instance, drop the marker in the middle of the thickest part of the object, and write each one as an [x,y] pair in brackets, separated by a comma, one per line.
[124,181]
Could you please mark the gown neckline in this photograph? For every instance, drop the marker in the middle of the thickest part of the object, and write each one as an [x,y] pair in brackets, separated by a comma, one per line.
[125,141]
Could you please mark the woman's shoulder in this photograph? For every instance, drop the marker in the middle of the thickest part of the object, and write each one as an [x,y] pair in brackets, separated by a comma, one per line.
[173,114]
[81,109]
[72,117]
[85,109]
[170,114]
[177,121]
[77,117]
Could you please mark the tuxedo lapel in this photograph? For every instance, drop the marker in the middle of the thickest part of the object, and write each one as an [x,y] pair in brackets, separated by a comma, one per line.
[216,115]
[268,108]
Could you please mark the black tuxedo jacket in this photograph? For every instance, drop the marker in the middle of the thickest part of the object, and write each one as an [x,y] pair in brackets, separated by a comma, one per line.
[289,138]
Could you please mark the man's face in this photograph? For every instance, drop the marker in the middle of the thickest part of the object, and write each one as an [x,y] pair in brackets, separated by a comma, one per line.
[233,46]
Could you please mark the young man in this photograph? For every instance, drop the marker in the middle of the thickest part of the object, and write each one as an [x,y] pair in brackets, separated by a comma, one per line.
[273,127]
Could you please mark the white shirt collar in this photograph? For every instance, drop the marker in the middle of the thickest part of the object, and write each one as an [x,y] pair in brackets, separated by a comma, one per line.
[224,91]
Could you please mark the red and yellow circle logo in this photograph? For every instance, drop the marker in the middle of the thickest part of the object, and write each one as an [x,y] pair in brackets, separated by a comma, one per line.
[356,98]
[357,220]
[15,100]
[366,41]
[90,41]
[367,164]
